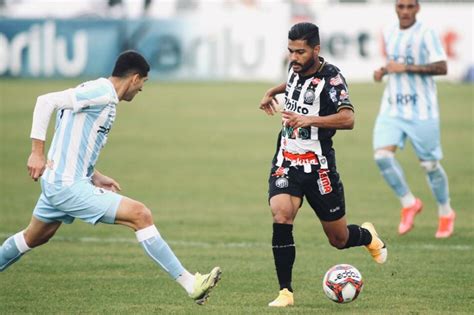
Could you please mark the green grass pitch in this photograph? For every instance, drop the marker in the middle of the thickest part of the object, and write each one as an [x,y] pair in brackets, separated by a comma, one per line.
[198,155]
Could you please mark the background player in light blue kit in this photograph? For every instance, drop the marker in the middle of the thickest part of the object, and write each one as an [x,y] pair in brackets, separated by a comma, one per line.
[410,110]
[73,188]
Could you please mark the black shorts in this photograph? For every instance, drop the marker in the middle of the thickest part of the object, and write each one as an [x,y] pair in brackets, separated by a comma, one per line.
[323,189]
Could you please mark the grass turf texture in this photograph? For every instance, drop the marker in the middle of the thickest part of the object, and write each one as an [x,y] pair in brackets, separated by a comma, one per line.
[198,155]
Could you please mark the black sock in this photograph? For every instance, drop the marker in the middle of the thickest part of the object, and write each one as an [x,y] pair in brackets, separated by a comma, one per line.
[284,253]
[358,236]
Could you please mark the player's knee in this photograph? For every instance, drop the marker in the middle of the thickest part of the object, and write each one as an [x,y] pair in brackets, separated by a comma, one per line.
[337,241]
[142,216]
[429,166]
[380,154]
[282,215]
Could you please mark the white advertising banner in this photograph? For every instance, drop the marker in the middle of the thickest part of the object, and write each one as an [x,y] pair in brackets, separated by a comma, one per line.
[351,35]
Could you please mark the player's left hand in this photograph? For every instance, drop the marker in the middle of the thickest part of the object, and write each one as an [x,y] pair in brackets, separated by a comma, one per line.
[295,120]
[102,181]
[395,67]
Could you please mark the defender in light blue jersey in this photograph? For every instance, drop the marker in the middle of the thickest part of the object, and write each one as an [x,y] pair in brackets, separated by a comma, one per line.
[409,110]
[72,187]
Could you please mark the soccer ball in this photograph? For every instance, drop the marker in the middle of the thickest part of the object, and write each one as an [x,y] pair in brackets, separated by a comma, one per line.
[342,283]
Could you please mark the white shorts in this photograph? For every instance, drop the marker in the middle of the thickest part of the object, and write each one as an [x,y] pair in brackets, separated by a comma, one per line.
[81,200]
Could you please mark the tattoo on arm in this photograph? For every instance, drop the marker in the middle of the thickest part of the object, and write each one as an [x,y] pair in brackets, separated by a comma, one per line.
[435,68]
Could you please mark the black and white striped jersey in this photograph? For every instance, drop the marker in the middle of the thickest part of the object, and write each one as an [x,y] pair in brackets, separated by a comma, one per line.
[320,94]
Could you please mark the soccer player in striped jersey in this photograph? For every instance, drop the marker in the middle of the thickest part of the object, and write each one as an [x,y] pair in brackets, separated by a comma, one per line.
[72,187]
[409,109]
[316,105]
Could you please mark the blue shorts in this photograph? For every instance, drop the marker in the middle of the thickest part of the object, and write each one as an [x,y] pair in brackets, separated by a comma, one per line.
[81,200]
[423,134]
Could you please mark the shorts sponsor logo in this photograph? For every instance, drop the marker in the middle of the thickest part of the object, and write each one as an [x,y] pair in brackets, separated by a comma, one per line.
[335,209]
[324,182]
[281,182]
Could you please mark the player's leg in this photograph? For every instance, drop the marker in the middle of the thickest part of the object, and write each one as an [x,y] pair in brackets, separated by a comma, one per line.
[284,208]
[389,134]
[438,182]
[325,194]
[93,204]
[136,215]
[37,233]
[342,236]
[425,138]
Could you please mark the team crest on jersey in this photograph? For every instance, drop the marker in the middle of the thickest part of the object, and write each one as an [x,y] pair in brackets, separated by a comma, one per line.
[324,183]
[309,96]
[281,182]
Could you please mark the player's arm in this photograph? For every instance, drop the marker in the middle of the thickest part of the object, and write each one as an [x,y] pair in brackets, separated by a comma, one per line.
[269,102]
[343,119]
[100,180]
[434,68]
[44,108]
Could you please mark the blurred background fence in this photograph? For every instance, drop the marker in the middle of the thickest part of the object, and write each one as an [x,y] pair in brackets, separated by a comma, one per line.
[230,40]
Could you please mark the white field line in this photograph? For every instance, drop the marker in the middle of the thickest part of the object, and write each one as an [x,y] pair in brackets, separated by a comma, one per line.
[181,243]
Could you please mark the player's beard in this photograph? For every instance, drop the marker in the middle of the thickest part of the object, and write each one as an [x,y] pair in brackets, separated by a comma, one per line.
[305,67]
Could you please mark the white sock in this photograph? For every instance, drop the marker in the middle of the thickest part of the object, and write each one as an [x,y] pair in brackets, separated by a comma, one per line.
[408,200]
[444,209]
[186,280]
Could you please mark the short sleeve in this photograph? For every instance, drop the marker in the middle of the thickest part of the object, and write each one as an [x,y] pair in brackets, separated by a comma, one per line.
[433,46]
[339,93]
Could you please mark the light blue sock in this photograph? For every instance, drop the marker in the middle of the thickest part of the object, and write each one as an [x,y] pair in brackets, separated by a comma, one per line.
[438,181]
[393,174]
[12,250]
[159,251]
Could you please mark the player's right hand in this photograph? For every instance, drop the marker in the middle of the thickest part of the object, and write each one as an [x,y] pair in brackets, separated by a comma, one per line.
[378,74]
[36,165]
[269,104]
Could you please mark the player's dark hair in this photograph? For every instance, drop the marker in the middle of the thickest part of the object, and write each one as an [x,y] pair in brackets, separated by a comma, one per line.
[305,31]
[130,62]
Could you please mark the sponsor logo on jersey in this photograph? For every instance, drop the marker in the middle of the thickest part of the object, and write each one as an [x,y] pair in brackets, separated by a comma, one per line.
[344,95]
[337,80]
[324,182]
[293,106]
[333,95]
[281,182]
[403,99]
[292,133]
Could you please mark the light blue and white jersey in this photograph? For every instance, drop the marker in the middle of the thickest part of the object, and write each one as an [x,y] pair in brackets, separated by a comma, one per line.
[407,95]
[83,121]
